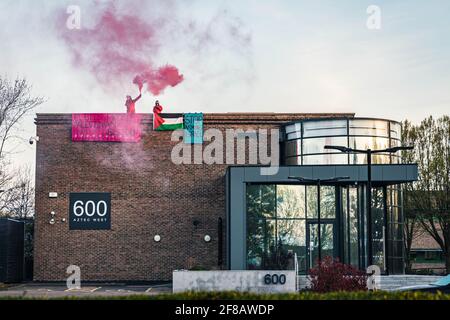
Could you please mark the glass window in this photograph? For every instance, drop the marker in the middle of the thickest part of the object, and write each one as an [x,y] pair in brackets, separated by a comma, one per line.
[396,130]
[293,161]
[368,127]
[294,135]
[325,128]
[345,223]
[316,145]
[396,143]
[261,201]
[290,201]
[365,143]
[360,158]
[329,158]
[327,202]
[261,238]
[395,160]
[311,201]
[292,239]
[353,225]
[378,230]
[293,148]
[294,127]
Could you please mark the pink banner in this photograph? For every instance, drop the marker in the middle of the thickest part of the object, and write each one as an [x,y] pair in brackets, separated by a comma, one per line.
[106,127]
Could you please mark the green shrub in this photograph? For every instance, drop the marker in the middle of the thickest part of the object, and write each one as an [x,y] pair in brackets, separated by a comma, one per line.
[362,295]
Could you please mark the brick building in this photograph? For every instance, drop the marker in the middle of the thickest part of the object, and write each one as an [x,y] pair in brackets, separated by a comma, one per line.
[161,213]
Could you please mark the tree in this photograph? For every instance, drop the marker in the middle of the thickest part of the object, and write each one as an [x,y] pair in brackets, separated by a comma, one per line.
[18,201]
[427,200]
[411,231]
[16,101]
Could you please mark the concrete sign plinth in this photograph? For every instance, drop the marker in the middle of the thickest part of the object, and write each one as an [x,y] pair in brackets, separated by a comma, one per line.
[258,281]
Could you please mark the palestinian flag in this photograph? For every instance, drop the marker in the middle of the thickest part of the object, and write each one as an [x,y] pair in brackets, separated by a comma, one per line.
[167,121]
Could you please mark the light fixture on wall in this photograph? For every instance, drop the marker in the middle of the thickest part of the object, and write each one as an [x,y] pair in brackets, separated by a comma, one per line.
[157,238]
[207,238]
[33,139]
[52,219]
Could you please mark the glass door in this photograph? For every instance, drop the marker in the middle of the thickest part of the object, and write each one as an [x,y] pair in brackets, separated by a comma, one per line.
[327,240]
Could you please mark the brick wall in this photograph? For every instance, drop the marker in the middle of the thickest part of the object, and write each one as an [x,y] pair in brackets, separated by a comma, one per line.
[149,195]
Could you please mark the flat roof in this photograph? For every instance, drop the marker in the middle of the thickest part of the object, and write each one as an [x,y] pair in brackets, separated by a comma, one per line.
[214,118]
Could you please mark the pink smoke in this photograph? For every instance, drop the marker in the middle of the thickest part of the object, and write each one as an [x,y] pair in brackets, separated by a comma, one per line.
[118,47]
[158,80]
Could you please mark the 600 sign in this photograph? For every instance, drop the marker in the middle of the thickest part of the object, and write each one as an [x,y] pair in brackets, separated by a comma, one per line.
[90,211]
[274,279]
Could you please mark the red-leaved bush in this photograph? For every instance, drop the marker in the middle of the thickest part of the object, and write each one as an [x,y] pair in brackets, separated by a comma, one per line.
[331,275]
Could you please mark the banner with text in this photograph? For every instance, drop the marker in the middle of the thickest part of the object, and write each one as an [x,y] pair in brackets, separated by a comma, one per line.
[106,127]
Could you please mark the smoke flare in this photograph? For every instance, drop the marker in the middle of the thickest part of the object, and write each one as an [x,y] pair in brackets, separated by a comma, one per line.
[158,80]
[119,47]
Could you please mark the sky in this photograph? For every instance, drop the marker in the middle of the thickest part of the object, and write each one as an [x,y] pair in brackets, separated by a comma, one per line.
[245,56]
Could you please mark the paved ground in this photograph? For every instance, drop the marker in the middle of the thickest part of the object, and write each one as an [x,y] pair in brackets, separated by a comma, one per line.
[89,290]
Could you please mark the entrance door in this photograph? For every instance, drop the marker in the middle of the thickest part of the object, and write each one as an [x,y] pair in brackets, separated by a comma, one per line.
[328,241]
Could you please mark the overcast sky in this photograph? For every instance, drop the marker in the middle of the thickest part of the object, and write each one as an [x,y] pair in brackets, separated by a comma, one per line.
[301,56]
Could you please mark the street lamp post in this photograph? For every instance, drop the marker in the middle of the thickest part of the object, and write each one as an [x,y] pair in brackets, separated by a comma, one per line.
[368,153]
[318,182]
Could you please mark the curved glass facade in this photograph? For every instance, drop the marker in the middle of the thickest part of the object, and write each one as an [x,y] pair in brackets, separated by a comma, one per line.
[303,142]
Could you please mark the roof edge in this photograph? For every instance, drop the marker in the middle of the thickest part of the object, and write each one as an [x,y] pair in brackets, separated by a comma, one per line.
[211,118]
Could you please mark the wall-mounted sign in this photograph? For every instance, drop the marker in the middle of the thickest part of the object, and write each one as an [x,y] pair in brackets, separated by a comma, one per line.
[193,128]
[90,211]
[106,127]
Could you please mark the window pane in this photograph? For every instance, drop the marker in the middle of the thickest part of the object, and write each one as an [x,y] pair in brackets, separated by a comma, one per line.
[316,145]
[293,127]
[325,128]
[294,135]
[395,160]
[356,158]
[293,161]
[330,158]
[396,129]
[311,201]
[260,242]
[346,224]
[369,127]
[261,201]
[292,239]
[327,202]
[290,201]
[378,232]
[396,143]
[293,148]
[353,222]
[365,143]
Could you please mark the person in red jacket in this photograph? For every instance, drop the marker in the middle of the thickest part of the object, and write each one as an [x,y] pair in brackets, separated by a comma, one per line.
[131,103]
